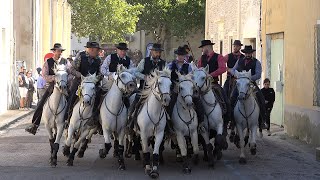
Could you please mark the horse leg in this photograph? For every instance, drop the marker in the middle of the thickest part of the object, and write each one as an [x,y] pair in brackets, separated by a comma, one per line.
[253,145]
[157,142]
[208,148]
[76,146]
[242,159]
[120,150]
[246,138]
[116,146]
[56,144]
[66,149]
[174,145]
[85,143]
[161,160]
[146,154]
[136,147]
[194,142]
[219,142]
[183,147]
[107,143]
[51,141]
[129,143]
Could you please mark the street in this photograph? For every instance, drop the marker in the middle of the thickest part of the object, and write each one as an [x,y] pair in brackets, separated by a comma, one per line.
[24,156]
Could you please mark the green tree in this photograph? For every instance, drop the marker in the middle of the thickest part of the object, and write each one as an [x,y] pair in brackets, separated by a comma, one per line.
[104,20]
[167,18]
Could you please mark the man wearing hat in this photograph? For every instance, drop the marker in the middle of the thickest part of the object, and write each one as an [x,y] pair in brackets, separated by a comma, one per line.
[48,75]
[109,66]
[232,58]
[86,62]
[217,67]
[189,57]
[144,68]
[250,63]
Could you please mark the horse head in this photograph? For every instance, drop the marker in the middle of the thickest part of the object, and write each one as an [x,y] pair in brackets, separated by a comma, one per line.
[87,89]
[126,80]
[162,83]
[61,77]
[201,77]
[186,89]
[244,84]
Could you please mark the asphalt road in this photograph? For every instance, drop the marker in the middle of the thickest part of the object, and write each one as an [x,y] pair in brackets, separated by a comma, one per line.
[24,156]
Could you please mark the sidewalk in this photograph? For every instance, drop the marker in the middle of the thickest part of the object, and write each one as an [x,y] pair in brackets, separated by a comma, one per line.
[12,116]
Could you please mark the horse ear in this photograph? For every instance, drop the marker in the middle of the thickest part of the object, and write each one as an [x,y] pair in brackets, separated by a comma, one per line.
[249,72]
[55,68]
[206,69]
[157,72]
[120,68]
[82,77]
[193,66]
[178,73]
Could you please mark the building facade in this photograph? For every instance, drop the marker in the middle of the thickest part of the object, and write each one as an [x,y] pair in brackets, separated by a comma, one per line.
[29,28]
[291,49]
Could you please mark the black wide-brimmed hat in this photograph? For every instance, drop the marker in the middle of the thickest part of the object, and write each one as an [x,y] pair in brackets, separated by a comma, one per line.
[186,47]
[205,43]
[181,51]
[57,46]
[122,46]
[237,42]
[156,47]
[248,49]
[92,44]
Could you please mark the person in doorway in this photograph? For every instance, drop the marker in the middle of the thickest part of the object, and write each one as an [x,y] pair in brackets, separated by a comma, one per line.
[23,87]
[41,83]
[269,96]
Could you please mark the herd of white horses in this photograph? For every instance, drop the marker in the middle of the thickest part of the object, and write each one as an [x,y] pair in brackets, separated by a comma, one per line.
[152,117]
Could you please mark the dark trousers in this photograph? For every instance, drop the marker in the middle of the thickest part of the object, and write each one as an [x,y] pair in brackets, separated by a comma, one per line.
[268,117]
[71,98]
[36,119]
[228,86]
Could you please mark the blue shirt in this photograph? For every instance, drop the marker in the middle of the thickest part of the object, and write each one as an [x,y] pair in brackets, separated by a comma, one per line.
[254,77]
[41,82]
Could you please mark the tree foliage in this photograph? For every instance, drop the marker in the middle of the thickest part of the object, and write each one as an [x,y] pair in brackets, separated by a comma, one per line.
[104,20]
[167,18]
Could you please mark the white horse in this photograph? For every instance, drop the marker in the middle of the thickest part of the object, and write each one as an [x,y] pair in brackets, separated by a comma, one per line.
[246,113]
[213,115]
[152,118]
[113,113]
[185,121]
[82,112]
[54,109]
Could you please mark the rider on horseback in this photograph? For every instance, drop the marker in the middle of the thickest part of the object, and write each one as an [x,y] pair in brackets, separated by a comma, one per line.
[86,62]
[145,67]
[250,63]
[48,74]
[109,66]
[217,67]
[184,68]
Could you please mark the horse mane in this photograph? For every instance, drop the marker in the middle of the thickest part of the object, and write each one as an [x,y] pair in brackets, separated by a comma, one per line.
[90,79]
[244,74]
[60,67]
[146,92]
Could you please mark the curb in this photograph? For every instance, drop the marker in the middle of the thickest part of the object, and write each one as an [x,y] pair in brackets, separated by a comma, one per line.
[15,120]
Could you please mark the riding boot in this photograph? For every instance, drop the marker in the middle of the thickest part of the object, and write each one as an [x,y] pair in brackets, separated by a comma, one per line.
[71,101]
[133,111]
[36,119]
[96,108]
[126,102]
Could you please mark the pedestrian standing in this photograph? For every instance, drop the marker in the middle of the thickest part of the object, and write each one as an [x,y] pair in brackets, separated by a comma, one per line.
[31,89]
[269,96]
[41,83]
[23,85]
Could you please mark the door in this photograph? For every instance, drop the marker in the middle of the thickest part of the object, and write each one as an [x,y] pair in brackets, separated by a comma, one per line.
[277,67]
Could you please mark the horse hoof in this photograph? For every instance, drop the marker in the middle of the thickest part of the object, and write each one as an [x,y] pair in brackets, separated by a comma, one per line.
[122,167]
[53,162]
[147,169]
[253,151]
[186,170]
[179,159]
[102,153]
[128,155]
[137,157]
[242,160]
[66,150]
[80,154]
[154,174]
[70,162]
[219,155]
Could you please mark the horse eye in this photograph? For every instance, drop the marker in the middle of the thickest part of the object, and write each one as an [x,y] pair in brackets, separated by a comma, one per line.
[203,78]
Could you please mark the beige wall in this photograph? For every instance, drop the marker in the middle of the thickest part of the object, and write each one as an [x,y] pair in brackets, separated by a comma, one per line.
[232,19]
[298,28]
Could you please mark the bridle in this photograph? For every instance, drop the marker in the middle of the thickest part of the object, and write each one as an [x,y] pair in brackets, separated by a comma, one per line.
[248,92]
[187,95]
[90,96]
[206,83]
[126,90]
[159,94]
